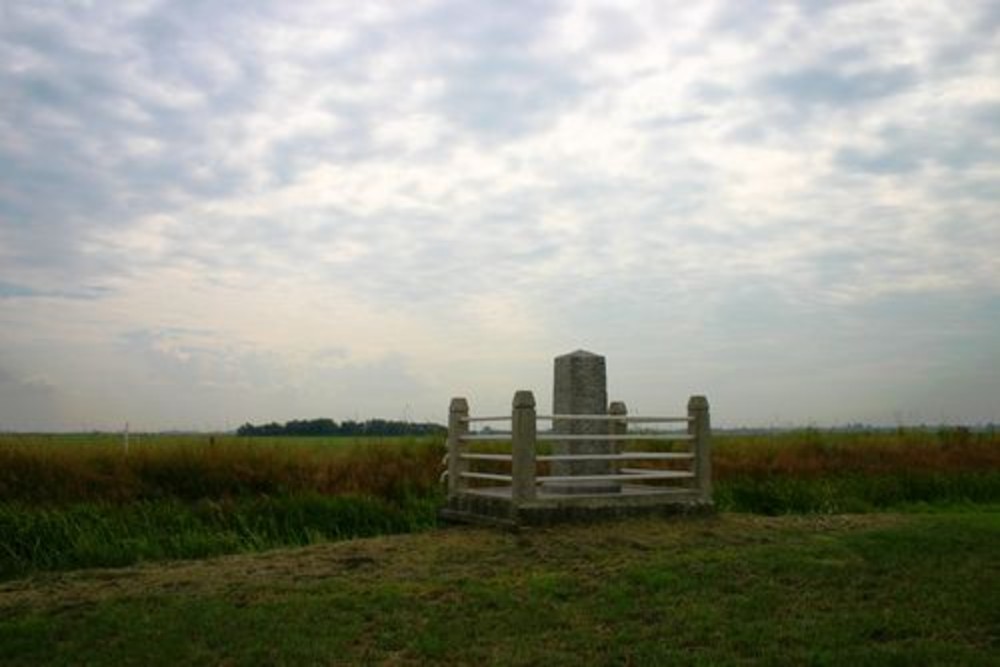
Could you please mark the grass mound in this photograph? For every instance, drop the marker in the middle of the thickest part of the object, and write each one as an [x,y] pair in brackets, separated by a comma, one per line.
[736,589]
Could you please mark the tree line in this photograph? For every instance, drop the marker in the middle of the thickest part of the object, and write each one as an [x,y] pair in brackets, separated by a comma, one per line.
[380,427]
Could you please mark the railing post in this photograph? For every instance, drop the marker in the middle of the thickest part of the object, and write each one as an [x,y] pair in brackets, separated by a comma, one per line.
[458,413]
[523,429]
[616,427]
[700,428]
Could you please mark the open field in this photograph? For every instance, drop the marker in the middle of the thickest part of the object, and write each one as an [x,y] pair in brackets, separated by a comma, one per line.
[81,501]
[865,589]
[77,501]
[60,469]
[782,576]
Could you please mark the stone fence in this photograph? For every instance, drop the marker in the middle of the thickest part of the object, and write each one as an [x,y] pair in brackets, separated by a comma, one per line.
[590,469]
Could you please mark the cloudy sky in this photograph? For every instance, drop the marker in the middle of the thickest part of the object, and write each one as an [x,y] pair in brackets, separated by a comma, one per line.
[230,211]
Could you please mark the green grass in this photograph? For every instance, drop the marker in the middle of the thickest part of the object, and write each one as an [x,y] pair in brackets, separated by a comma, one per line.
[103,534]
[74,501]
[835,493]
[737,589]
[805,586]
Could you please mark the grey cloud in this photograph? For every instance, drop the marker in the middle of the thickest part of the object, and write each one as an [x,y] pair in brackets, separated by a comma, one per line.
[674,120]
[177,35]
[955,139]
[909,154]
[27,404]
[979,188]
[828,86]
[209,378]
[985,119]
[496,84]
[420,265]
[507,25]
[976,38]
[189,358]
[685,243]
[900,345]
[748,18]
[16,291]
[896,160]
[507,96]
[290,157]
[404,258]
[821,87]
[988,18]
[618,30]
[82,177]
[77,108]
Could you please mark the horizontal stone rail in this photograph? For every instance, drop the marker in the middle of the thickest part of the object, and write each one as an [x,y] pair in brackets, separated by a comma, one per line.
[613,418]
[615,436]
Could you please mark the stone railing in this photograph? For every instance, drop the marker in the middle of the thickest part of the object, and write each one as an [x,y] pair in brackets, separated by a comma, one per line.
[573,477]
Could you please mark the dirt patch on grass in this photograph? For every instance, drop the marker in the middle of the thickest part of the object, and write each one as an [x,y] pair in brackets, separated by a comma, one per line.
[455,553]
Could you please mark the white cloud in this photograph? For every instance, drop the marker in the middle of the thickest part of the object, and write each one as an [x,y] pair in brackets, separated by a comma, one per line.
[450,194]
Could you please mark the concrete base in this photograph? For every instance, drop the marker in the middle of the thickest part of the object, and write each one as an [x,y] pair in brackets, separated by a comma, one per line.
[493,506]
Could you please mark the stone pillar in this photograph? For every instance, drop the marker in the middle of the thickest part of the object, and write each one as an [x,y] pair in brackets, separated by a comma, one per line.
[458,412]
[700,428]
[523,447]
[617,428]
[580,388]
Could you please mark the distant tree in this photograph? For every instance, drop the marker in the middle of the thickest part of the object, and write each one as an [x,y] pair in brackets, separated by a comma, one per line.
[328,427]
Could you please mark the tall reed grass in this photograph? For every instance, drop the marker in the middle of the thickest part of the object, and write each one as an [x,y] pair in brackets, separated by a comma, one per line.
[74,501]
[811,453]
[70,469]
[42,471]
[831,472]
[81,501]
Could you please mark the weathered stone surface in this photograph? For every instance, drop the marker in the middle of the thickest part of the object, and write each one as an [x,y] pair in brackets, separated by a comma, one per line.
[580,387]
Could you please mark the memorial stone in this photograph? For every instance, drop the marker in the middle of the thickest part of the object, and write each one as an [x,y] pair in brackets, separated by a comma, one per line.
[580,388]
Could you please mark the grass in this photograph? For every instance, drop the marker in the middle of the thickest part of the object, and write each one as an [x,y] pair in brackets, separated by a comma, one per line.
[736,589]
[807,585]
[102,534]
[815,471]
[93,468]
[82,501]
[811,453]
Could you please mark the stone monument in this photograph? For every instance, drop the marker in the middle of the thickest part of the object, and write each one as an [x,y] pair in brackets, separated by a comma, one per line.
[595,479]
[580,387]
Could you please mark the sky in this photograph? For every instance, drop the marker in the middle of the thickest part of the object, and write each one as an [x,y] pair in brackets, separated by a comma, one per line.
[230,211]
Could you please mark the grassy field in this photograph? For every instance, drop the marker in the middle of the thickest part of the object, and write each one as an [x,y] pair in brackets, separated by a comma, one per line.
[908,576]
[64,469]
[59,469]
[81,501]
[864,589]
